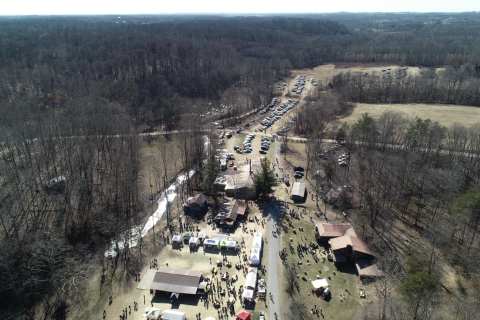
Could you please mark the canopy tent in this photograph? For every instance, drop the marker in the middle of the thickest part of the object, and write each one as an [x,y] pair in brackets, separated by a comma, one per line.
[244,315]
[255,257]
[251,278]
[203,285]
[256,251]
[171,280]
[177,238]
[228,244]
[173,315]
[193,242]
[247,294]
[211,242]
[320,284]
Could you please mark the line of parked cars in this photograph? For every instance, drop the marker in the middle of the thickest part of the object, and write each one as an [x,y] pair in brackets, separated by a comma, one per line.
[265,145]
[272,105]
[299,84]
[247,144]
[278,112]
[343,159]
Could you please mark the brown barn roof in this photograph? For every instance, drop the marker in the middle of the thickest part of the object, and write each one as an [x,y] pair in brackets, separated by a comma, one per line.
[172,280]
[330,230]
[240,207]
[352,241]
[367,269]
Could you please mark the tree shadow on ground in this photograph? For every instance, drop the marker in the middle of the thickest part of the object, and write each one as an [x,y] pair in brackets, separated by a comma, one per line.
[164,297]
[273,208]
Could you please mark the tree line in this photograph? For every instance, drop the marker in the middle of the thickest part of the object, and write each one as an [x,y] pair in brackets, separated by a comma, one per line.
[453,85]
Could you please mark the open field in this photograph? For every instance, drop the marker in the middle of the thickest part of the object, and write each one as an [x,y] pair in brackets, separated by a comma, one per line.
[446,115]
[325,72]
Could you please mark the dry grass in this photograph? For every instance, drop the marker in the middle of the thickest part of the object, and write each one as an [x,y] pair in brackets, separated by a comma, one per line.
[341,283]
[325,72]
[151,162]
[446,115]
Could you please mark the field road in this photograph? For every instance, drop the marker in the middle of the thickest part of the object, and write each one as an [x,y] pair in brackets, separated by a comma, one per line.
[273,262]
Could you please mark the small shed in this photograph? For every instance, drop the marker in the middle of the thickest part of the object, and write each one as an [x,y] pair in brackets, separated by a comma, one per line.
[177,241]
[367,270]
[299,192]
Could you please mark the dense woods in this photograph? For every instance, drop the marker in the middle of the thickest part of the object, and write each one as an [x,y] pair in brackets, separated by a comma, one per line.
[415,175]
[453,85]
[75,92]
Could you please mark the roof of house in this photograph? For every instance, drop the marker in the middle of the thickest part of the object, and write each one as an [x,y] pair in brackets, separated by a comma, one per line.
[298,189]
[332,230]
[197,200]
[349,240]
[367,269]
[171,280]
[240,207]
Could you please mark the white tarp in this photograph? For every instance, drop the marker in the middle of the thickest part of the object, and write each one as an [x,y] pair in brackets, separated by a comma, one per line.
[320,284]
[133,236]
[177,238]
[247,294]
[211,242]
[256,251]
[194,241]
[251,279]
[173,315]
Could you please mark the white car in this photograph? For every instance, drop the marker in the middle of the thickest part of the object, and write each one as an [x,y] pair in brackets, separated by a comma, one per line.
[152,314]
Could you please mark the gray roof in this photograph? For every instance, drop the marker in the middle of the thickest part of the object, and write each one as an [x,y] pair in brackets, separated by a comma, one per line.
[298,189]
[171,280]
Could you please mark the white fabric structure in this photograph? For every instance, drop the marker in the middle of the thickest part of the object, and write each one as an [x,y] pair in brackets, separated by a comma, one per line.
[256,251]
[247,294]
[194,241]
[230,244]
[320,284]
[251,279]
[211,242]
[173,315]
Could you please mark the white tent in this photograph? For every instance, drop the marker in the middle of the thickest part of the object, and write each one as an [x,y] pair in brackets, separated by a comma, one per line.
[320,284]
[247,294]
[194,242]
[255,257]
[211,242]
[251,279]
[256,251]
[173,315]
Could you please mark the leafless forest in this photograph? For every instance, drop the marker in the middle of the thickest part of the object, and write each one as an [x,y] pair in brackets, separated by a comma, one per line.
[79,97]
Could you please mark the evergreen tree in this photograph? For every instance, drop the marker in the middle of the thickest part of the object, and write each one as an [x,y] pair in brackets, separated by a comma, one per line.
[265,179]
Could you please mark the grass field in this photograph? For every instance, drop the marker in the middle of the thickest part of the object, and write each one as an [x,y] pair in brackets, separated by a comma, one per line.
[446,115]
